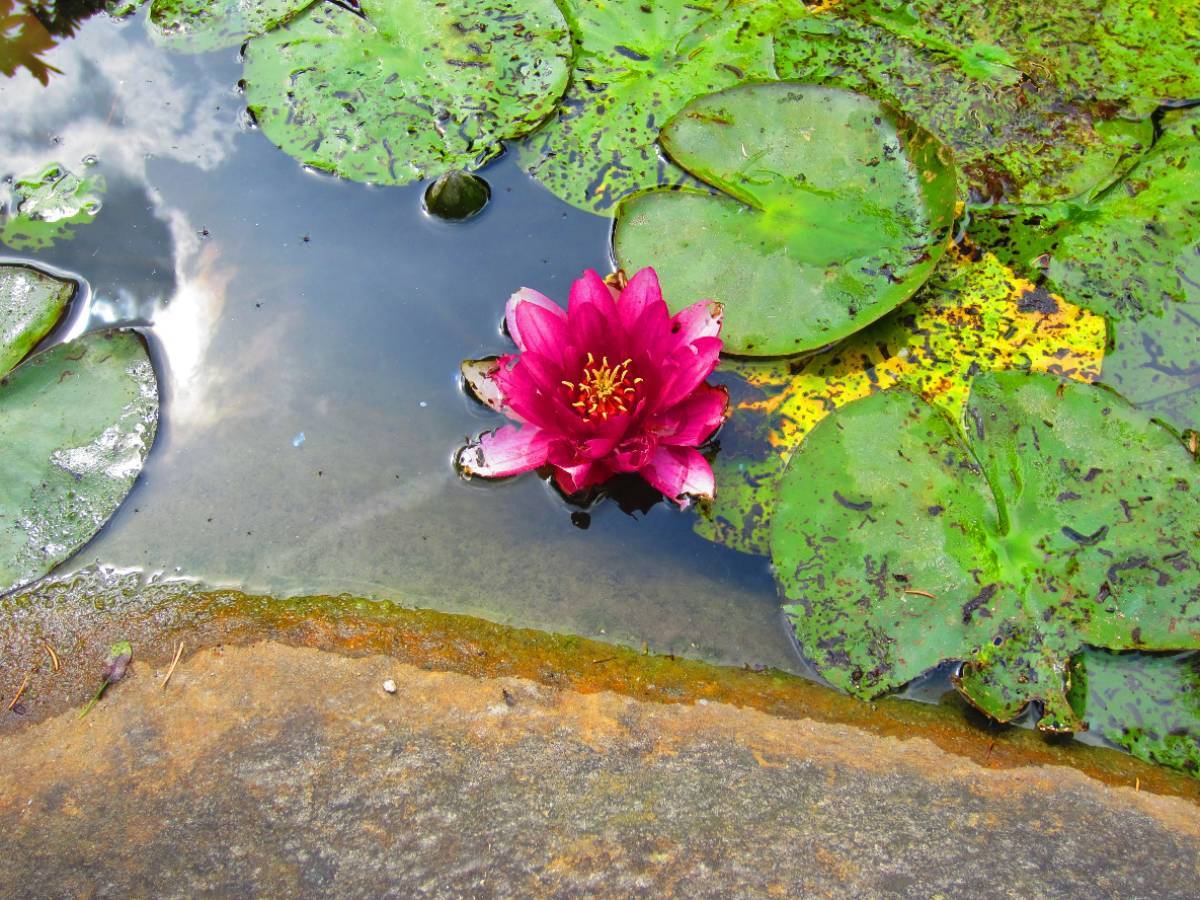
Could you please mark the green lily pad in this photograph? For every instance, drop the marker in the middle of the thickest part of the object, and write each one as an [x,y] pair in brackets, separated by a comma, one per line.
[1017,135]
[834,211]
[411,87]
[76,424]
[197,26]
[31,303]
[636,66]
[1148,704]
[973,315]
[45,208]
[1133,255]
[1061,517]
[1134,55]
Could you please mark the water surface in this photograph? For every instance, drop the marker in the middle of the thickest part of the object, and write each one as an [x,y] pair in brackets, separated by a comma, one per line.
[307,333]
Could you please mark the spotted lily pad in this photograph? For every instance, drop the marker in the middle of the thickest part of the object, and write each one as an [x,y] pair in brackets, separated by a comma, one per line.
[45,208]
[1147,703]
[1133,255]
[1017,134]
[1060,517]
[834,211]
[31,303]
[1132,55]
[197,26]
[636,66]
[410,87]
[76,424]
[974,315]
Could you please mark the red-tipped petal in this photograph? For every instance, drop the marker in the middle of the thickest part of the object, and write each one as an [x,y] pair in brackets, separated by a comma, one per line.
[640,293]
[692,421]
[505,451]
[520,298]
[680,472]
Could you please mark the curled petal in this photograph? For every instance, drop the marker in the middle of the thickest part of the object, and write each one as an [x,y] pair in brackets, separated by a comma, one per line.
[692,421]
[697,321]
[640,293]
[680,472]
[687,368]
[520,298]
[573,479]
[633,454]
[505,451]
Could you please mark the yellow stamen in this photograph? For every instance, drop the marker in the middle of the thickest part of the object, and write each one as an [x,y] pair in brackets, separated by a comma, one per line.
[603,390]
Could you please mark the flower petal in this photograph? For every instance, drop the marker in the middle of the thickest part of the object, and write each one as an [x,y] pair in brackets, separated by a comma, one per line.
[544,372]
[687,368]
[542,330]
[590,329]
[506,451]
[697,321]
[573,479]
[520,298]
[640,293]
[680,472]
[478,375]
[590,290]
[693,420]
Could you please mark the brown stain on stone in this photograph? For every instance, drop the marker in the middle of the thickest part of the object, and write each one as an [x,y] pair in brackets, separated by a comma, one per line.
[159,615]
[246,716]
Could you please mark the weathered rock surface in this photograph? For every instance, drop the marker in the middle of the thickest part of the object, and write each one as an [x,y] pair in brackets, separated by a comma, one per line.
[272,770]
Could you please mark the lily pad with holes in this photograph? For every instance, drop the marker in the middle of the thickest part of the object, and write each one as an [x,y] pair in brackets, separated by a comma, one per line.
[636,66]
[974,315]
[1018,135]
[1134,56]
[31,303]
[198,26]
[1133,254]
[45,208]
[1147,703]
[76,424]
[410,88]
[833,211]
[1060,517]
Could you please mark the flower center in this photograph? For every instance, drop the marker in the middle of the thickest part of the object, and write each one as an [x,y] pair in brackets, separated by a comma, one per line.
[603,390]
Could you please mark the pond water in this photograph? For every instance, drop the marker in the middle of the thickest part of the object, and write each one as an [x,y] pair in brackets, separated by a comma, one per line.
[307,333]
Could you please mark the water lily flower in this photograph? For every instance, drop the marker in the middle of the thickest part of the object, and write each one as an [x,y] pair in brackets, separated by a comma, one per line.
[613,384]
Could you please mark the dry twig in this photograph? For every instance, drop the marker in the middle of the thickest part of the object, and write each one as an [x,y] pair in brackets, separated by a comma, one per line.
[20,692]
[174,663]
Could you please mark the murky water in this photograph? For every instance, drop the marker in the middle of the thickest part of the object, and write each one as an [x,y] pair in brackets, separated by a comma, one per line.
[307,333]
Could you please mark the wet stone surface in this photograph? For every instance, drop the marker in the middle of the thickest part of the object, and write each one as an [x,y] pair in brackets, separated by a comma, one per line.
[282,771]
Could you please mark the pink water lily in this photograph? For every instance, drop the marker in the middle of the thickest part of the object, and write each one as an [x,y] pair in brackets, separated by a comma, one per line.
[613,384]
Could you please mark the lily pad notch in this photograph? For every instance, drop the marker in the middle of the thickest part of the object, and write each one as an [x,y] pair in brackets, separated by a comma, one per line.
[827,211]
